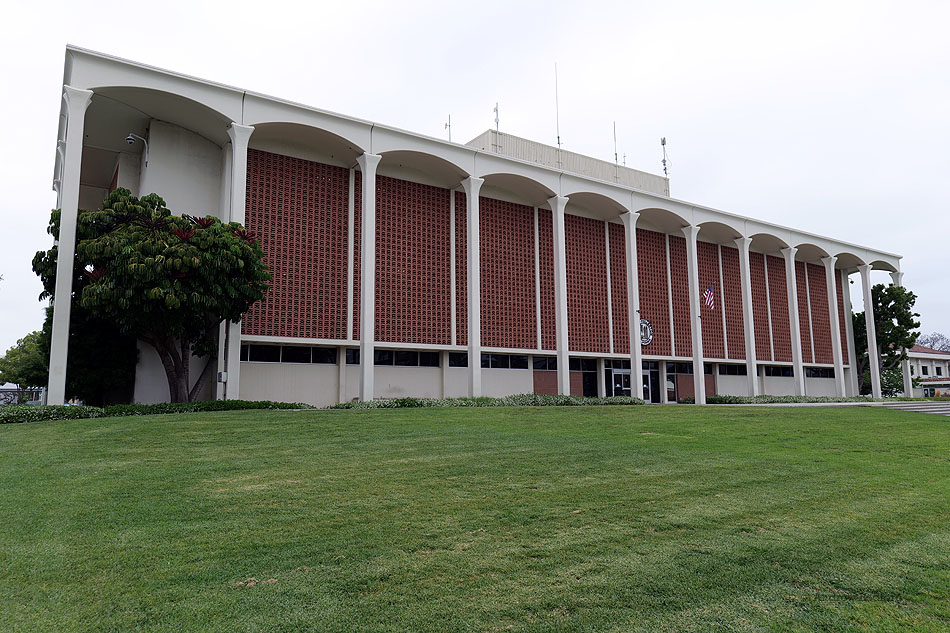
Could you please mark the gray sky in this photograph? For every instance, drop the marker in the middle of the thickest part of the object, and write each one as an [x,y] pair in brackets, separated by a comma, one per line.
[829,116]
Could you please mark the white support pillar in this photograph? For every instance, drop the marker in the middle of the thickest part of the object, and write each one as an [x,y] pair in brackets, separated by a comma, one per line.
[558,205]
[76,101]
[897,278]
[472,188]
[873,361]
[633,290]
[748,324]
[601,379]
[835,321]
[664,392]
[368,164]
[853,387]
[794,323]
[696,327]
[240,135]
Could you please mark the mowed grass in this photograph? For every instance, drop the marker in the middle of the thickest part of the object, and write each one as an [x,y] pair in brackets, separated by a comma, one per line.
[548,519]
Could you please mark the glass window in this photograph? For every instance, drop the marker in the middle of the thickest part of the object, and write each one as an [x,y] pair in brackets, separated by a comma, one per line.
[939,371]
[264,354]
[383,357]
[924,370]
[244,352]
[574,364]
[458,359]
[325,355]
[588,364]
[406,359]
[428,359]
[352,357]
[486,361]
[499,361]
[519,362]
[295,354]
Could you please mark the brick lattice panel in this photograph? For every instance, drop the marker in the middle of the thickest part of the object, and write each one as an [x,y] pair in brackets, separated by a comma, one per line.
[840,278]
[820,318]
[682,335]
[707,259]
[654,289]
[803,322]
[732,303]
[586,267]
[618,287]
[760,307]
[298,208]
[413,298]
[778,296]
[461,270]
[506,233]
[357,241]
[546,267]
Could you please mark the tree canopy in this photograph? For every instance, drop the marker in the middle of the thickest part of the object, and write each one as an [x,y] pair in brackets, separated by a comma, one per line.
[934,340]
[895,328]
[166,280]
[24,364]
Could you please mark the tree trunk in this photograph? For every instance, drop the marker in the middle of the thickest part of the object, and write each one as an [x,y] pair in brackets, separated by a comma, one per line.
[202,378]
[175,372]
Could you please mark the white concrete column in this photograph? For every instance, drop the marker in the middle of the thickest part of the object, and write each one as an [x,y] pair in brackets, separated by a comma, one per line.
[558,205]
[240,135]
[853,387]
[472,188]
[873,361]
[897,278]
[341,374]
[444,365]
[664,393]
[794,323]
[368,163]
[601,379]
[835,321]
[76,101]
[748,324]
[633,289]
[695,319]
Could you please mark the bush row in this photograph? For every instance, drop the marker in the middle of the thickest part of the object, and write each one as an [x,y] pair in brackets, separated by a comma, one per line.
[521,400]
[782,399]
[36,413]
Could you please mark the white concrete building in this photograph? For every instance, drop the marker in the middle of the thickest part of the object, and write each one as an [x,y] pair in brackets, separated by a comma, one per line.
[496,267]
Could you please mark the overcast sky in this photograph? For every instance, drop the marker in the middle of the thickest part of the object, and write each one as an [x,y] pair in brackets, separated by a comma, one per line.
[832,117]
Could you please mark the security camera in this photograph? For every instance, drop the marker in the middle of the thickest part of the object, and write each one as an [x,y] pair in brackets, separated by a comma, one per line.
[130,139]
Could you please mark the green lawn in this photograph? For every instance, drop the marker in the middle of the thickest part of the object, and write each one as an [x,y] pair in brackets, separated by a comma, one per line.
[575,519]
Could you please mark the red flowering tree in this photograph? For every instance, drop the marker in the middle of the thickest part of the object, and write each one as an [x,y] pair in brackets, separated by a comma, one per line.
[167,280]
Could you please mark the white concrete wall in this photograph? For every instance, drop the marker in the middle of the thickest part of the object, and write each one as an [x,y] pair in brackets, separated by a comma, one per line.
[507,382]
[184,169]
[732,385]
[130,172]
[151,384]
[781,385]
[90,198]
[456,382]
[290,382]
[408,382]
[820,387]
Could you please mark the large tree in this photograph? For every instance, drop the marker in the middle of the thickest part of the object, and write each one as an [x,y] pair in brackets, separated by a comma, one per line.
[166,280]
[895,327]
[934,340]
[25,364]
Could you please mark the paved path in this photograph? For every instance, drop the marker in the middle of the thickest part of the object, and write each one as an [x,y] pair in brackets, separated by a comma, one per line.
[937,408]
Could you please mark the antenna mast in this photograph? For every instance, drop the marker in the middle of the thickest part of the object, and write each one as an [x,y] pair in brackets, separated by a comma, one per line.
[448,126]
[663,145]
[496,116]
[557,117]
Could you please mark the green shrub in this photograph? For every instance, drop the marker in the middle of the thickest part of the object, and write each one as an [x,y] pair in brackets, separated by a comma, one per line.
[520,400]
[766,399]
[14,413]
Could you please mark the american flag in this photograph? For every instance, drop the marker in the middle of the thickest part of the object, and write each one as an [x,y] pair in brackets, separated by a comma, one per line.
[709,298]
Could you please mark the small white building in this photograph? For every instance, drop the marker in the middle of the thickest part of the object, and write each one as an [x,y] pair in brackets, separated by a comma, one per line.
[932,367]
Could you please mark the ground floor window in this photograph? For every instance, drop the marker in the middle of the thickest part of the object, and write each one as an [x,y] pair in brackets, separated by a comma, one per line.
[819,372]
[504,361]
[778,371]
[733,370]
[299,354]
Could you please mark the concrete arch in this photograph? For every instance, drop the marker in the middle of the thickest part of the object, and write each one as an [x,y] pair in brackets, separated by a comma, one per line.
[848,261]
[258,111]
[386,140]
[662,220]
[718,232]
[809,252]
[880,264]
[304,141]
[595,205]
[595,192]
[516,188]
[767,243]
[421,167]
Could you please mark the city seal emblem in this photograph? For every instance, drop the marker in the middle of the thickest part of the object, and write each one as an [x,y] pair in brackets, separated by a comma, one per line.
[646,332]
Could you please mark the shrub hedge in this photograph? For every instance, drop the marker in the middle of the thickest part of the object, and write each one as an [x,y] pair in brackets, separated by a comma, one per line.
[36,413]
[520,400]
[783,399]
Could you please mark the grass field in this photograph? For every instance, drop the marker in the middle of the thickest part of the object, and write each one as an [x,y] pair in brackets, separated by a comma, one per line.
[584,519]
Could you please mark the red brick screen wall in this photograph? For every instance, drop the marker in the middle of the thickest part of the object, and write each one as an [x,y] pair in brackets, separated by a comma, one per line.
[778,298]
[586,267]
[760,307]
[820,318]
[357,241]
[618,288]
[707,259]
[839,279]
[506,233]
[413,299]
[682,335]
[732,303]
[461,270]
[654,291]
[546,267]
[803,322]
[298,208]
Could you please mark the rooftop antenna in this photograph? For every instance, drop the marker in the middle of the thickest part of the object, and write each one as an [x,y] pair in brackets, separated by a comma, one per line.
[625,159]
[616,162]
[557,117]
[663,144]
[448,126]
[496,116]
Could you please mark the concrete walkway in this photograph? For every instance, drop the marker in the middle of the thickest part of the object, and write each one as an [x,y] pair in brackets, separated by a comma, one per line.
[937,408]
